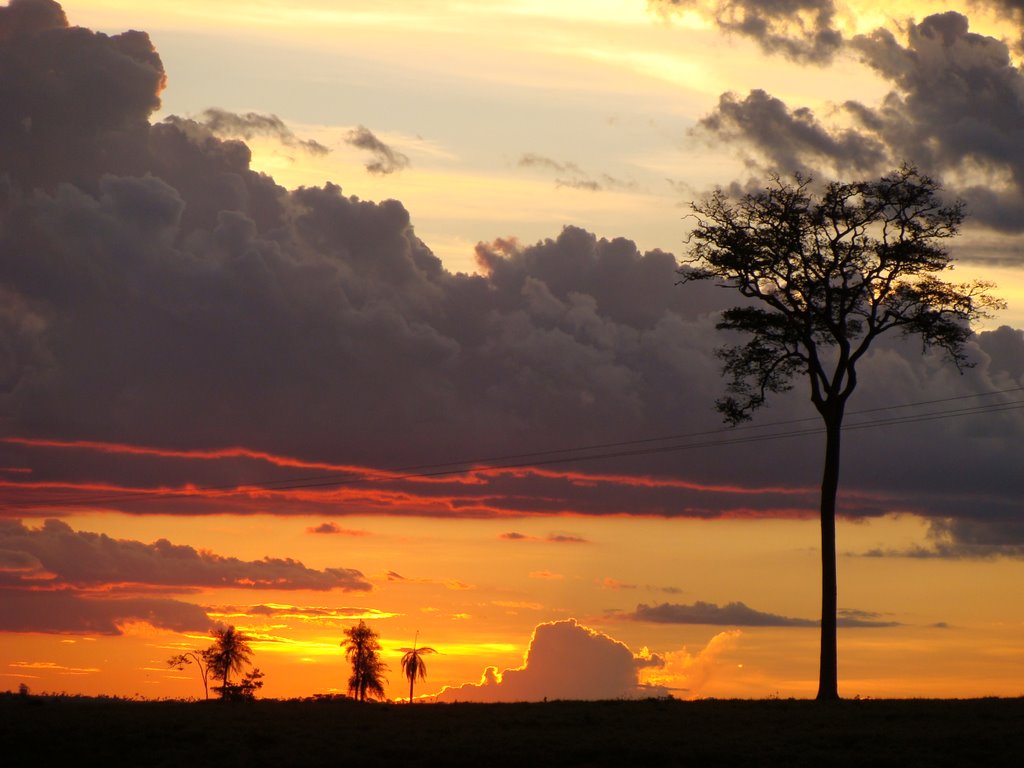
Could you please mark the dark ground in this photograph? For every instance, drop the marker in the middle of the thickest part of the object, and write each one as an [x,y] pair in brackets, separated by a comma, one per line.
[43,731]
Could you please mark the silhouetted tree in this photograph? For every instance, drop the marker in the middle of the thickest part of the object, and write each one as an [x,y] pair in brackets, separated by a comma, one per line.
[229,653]
[826,275]
[202,660]
[413,665]
[362,651]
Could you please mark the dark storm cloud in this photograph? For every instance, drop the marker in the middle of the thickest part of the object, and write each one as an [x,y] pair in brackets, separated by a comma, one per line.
[82,560]
[740,615]
[572,176]
[157,292]
[385,159]
[803,30]
[252,124]
[73,613]
[74,102]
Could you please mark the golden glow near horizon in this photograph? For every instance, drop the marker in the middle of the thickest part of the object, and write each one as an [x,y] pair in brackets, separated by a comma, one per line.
[948,636]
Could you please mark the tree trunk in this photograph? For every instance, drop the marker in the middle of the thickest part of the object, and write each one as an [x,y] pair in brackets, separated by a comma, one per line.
[828,671]
[411,679]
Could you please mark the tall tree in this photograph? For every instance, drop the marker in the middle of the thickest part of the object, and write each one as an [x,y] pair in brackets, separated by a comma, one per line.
[229,653]
[362,649]
[413,665]
[824,276]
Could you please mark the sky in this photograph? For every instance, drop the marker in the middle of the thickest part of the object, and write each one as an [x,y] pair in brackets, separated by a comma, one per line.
[315,313]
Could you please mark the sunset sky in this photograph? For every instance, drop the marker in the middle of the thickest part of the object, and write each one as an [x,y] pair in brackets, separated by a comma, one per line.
[321,311]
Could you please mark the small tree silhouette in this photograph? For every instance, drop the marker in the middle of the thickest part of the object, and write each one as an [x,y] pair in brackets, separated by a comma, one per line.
[413,665]
[362,651]
[202,660]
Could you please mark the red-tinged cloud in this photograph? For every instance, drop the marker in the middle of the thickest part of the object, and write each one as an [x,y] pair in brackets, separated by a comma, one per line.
[67,612]
[181,335]
[565,660]
[55,556]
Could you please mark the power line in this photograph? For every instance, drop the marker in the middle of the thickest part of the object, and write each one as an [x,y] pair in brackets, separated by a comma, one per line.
[627,448]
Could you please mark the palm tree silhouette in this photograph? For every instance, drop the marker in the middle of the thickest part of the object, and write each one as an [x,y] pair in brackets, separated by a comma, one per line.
[361,647]
[230,653]
[413,665]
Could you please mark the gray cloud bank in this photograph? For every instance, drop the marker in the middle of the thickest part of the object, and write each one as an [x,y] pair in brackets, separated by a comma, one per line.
[55,555]
[739,614]
[57,580]
[156,291]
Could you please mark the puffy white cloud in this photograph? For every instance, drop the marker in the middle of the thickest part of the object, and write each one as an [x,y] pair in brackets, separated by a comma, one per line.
[565,660]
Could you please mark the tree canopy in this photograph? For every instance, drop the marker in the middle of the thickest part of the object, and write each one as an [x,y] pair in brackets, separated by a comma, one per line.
[362,649]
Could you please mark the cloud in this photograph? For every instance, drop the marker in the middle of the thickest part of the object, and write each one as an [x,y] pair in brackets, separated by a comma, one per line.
[738,614]
[385,159]
[689,673]
[82,560]
[565,660]
[552,538]
[314,614]
[803,30]
[614,584]
[546,575]
[180,335]
[223,123]
[790,139]
[336,530]
[954,109]
[572,176]
[67,612]
[964,539]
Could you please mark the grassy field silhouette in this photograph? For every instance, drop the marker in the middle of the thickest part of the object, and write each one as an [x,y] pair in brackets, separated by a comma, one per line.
[51,730]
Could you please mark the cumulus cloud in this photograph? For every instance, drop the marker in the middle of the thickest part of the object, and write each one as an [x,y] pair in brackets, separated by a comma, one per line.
[62,557]
[955,109]
[385,159]
[738,614]
[249,125]
[689,673]
[565,660]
